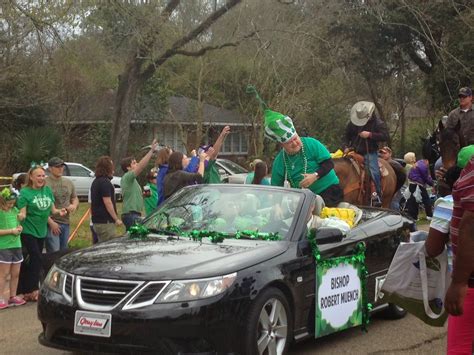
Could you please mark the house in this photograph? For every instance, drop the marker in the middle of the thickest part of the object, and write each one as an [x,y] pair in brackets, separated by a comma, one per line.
[178,127]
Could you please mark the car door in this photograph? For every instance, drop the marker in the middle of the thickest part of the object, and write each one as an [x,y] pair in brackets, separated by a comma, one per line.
[81,177]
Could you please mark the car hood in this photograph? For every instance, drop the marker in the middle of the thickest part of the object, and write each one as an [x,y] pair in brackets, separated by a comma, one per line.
[157,258]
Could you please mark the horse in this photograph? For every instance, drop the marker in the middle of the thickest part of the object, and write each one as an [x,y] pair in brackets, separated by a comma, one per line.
[450,142]
[350,182]
[430,147]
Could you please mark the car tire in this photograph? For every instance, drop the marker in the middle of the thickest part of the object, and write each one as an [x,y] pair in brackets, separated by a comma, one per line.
[274,335]
[394,312]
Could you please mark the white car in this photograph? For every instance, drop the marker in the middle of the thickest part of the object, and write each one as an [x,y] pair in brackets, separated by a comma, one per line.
[231,172]
[82,177]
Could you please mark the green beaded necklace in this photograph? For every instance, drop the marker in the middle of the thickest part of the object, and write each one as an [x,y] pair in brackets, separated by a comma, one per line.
[286,160]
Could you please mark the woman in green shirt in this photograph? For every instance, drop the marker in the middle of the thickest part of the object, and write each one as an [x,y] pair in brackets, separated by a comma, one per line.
[36,204]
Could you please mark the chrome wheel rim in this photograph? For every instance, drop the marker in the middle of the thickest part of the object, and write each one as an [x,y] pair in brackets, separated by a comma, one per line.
[272,328]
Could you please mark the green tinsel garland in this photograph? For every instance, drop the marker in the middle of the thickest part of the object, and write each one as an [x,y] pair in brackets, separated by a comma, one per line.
[357,258]
[139,231]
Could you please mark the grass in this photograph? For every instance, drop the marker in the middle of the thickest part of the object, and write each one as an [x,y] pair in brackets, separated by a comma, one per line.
[83,236]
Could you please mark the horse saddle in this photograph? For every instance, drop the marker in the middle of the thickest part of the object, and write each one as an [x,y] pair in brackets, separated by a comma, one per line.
[358,163]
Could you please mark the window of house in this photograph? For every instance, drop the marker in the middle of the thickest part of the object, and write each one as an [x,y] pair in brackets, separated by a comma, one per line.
[236,143]
[168,135]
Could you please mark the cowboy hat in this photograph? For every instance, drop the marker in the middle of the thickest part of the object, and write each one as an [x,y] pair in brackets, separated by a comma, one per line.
[361,112]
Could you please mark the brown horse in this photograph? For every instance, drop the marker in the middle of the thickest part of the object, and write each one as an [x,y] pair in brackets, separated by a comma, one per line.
[350,182]
[449,144]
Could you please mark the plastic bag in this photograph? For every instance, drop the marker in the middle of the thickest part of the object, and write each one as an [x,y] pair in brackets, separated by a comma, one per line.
[334,222]
[346,214]
[418,283]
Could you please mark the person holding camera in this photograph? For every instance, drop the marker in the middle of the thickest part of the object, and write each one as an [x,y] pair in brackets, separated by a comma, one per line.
[131,190]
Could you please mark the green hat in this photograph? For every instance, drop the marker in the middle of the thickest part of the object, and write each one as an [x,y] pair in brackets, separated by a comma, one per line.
[465,155]
[278,127]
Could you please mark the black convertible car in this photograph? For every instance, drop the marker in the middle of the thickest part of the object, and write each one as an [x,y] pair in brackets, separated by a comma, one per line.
[224,268]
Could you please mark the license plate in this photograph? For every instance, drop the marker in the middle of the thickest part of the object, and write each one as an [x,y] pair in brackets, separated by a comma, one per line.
[92,323]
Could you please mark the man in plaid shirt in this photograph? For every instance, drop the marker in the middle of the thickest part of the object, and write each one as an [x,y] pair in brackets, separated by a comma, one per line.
[459,301]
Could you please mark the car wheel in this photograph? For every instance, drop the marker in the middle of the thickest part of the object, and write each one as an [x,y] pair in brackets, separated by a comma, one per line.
[269,324]
[395,312]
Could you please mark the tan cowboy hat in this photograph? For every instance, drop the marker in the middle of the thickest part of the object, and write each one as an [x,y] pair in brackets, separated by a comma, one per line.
[361,112]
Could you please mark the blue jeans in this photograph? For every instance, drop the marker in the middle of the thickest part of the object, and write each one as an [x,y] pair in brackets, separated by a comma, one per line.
[57,242]
[130,218]
[373,160]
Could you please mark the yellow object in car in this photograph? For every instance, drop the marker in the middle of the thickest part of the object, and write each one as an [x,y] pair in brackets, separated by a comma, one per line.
[346,214]
[337,154]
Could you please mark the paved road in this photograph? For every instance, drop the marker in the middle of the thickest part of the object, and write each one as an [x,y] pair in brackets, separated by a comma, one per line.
[19,329]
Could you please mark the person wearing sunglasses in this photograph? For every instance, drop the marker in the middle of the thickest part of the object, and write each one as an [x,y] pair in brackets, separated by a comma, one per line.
[464,116]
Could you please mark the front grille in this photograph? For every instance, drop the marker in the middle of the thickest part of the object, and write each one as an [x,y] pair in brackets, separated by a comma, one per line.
[104,293]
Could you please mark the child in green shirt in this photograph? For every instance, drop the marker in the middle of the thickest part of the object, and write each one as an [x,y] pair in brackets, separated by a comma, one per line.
[11,256]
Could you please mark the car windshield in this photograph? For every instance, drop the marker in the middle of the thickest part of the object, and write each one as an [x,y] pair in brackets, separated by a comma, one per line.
[231,166]
[231,211]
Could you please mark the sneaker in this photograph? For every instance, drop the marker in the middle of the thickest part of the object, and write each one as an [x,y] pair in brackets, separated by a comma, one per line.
[16,301]
[3,304]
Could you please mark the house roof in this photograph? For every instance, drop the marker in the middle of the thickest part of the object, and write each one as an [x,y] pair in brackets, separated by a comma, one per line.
[183,110]
[180,110]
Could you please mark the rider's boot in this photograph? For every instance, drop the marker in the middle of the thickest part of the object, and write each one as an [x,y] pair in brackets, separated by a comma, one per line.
[375,200]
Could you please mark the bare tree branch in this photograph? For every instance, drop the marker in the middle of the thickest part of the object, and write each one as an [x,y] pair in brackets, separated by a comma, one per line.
[148,72]
[203,50]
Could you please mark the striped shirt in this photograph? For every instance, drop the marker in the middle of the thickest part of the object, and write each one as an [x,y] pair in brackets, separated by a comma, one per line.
[463,196]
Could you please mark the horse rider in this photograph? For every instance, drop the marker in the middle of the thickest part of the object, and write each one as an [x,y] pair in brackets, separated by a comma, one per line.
[304,162]
[465,115]
[363,134]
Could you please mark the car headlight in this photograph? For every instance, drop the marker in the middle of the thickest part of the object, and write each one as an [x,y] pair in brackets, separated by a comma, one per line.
[55,279]
[190,290]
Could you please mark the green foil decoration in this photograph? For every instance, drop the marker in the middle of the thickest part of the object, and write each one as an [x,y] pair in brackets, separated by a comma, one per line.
[358,257]
[138,231]
[218,237]
[7,194]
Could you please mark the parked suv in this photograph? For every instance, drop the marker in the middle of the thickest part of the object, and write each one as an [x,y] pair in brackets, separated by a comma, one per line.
[82,177]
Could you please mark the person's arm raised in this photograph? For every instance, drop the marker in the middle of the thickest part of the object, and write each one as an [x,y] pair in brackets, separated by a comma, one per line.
[202,159]
[146,159]
[220,140]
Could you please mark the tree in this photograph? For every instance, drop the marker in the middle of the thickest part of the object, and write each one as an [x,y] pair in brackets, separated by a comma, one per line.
[149,53]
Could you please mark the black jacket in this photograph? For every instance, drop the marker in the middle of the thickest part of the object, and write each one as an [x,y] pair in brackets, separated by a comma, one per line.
[379,131]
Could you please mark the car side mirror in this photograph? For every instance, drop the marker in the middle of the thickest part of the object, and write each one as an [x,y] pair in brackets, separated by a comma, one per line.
[222,171]
[92,174]
[326,235]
